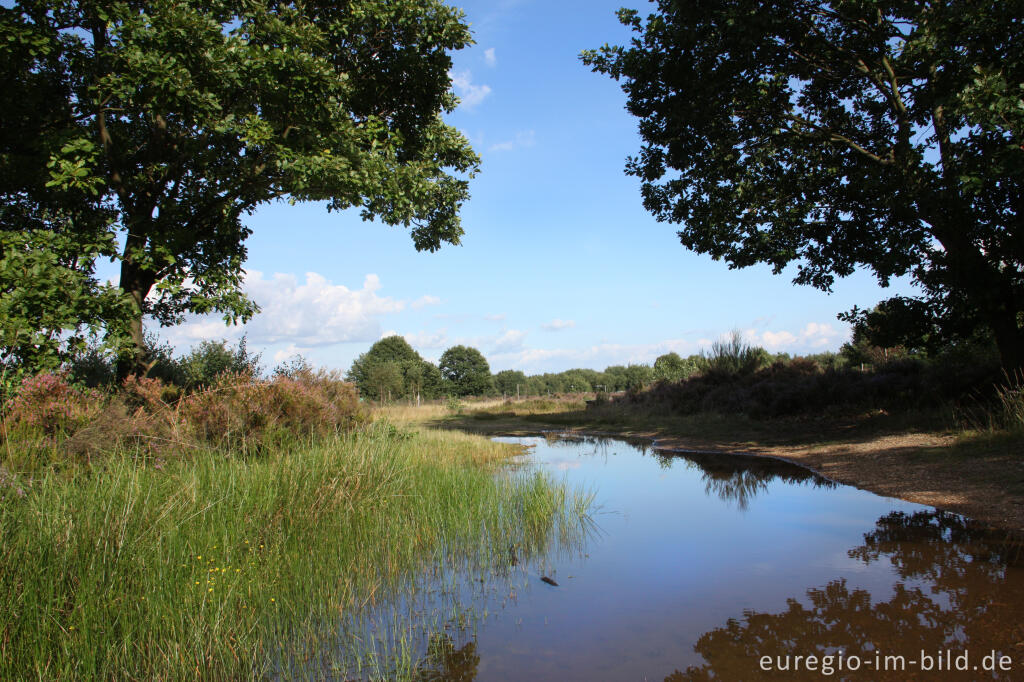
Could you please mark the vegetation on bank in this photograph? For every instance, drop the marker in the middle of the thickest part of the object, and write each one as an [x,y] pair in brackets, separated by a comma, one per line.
[226,532]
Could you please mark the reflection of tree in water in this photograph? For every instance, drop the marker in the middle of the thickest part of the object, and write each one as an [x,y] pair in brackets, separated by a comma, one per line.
[740,478]
[732,477]
[445,663]
[971,601]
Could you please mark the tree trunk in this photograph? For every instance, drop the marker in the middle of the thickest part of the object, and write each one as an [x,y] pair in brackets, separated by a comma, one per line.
[137,283]
[1010,341]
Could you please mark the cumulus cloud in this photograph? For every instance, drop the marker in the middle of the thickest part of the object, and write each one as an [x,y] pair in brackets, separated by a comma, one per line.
[522,140]
[510,341]
[489,57]
[470,94]
[814,337]
[438,339]
[306,315]
[558,325]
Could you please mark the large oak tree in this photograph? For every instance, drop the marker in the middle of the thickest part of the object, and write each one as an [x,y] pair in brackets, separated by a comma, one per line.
[148,130]
[836,135]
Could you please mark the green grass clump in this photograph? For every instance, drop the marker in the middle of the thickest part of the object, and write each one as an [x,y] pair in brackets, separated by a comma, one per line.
[200,567]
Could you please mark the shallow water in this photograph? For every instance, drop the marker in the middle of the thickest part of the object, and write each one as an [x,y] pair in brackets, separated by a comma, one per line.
[703,564]
[709,566]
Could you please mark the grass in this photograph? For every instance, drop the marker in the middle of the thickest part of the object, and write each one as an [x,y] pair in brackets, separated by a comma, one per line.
[201,567]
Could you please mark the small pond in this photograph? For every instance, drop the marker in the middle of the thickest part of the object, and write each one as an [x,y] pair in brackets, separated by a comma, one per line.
[699,565]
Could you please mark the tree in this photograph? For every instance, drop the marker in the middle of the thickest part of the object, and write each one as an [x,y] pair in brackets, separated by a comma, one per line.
[510,382]
[147,130]
[672,367]
[392,367]
[465,371]
[835,135]
[636,377]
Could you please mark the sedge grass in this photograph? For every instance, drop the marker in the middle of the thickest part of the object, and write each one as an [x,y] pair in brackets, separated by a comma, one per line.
[202,568]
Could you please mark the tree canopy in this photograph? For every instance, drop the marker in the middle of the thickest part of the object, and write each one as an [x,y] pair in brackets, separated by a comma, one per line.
[146,131]
[465,371]
[392,368]
[835,135]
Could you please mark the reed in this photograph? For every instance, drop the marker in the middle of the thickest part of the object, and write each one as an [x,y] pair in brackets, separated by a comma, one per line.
[218,567]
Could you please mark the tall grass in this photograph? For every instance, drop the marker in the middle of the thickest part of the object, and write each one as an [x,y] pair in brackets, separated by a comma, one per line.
[202,567]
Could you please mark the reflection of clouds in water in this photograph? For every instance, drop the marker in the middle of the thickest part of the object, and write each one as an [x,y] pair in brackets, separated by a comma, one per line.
[565,464]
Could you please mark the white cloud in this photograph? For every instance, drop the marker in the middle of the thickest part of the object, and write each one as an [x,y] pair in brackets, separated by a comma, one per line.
[558,325]
[814,337]
[309,314]
[522,140]
[290,351]
[489,57]
[598,356]
[510,341]
[470,94]
[438,339]
[424,301]
[498,317]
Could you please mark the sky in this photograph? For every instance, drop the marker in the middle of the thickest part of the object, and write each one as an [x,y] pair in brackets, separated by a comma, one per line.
[559,267]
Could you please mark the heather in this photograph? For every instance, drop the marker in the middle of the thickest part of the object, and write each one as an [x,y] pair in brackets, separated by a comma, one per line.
[51,420]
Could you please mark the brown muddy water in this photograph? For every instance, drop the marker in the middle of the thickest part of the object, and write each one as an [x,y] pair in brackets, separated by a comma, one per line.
[709,566]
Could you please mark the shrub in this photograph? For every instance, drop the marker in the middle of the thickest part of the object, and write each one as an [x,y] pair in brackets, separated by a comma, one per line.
[735,356]
[240,411]
[211,359]
[49,403]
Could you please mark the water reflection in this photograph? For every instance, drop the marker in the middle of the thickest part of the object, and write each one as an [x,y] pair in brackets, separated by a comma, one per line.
[740,478]
[444,663]
[734,478]
[962,591]
[705,563]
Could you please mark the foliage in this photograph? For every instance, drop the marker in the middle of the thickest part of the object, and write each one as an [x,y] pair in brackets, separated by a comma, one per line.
[47,402]
[51,420]
[393,369]
[735,356]
[803,387]
[637,377]
[242,414]
[510,382]
[839,135]
[210,359]
[672,367]
[465,372]
[49,301]
[148,130]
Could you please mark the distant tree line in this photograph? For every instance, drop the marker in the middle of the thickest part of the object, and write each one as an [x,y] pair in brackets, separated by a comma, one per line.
[392,370]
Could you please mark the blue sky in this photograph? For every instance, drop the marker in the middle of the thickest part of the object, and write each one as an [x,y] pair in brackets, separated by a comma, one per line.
[560,265]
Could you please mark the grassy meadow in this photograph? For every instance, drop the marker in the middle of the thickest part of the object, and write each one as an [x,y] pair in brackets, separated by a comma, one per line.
[225,561]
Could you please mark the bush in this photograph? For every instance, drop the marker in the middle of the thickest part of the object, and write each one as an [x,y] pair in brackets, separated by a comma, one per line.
[239,411]
[51,419]
[49,403]
[803,387]
[211,359]
[734,356]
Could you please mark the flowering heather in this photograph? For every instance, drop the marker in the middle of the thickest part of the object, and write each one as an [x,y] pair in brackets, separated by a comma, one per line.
[49,403]
[238,409]
[52,418]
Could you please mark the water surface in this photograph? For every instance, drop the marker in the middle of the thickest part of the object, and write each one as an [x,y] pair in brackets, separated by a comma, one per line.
[699,565]
[704,563]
